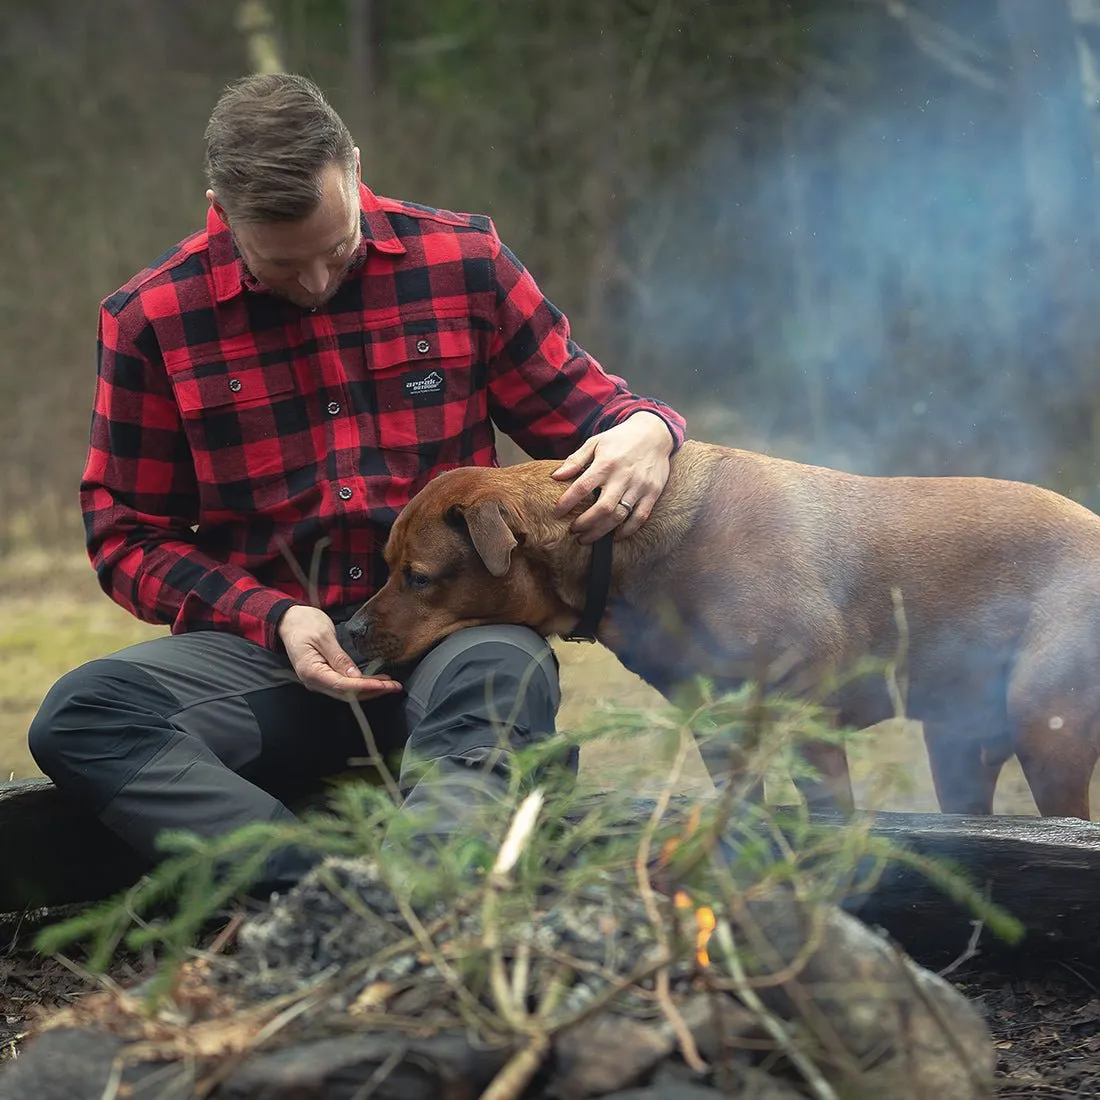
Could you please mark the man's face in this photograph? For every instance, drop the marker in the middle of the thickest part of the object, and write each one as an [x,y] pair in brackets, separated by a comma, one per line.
[305,262]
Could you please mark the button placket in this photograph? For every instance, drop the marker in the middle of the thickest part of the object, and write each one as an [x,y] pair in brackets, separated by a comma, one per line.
[327,365]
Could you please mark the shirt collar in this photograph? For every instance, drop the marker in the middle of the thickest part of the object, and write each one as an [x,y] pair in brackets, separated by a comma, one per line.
[232,277]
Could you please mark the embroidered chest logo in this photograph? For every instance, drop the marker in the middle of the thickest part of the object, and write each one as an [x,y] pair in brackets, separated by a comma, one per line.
[423,384]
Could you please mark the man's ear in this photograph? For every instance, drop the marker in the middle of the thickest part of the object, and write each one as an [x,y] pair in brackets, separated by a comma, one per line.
[493,539]
[218,208]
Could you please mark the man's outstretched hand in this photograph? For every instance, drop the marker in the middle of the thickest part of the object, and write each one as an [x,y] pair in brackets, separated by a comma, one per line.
[309,638]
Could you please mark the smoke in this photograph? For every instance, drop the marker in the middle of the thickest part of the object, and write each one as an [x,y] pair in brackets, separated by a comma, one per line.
[859,283]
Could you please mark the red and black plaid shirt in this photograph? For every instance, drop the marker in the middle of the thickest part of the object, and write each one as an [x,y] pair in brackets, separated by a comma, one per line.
[234,431]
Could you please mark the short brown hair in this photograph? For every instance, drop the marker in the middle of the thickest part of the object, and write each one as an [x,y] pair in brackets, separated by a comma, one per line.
[267,143]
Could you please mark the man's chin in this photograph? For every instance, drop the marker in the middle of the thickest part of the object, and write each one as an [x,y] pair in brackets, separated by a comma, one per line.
[308,301]
[312,302]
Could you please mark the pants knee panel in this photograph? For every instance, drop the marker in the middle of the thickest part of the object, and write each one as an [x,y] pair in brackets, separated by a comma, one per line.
[514,654]
[86,713]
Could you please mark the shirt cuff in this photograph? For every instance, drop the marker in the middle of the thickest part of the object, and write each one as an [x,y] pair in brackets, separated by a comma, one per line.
[259,616]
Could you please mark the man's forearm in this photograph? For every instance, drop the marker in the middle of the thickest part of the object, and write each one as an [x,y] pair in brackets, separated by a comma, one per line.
[166,580]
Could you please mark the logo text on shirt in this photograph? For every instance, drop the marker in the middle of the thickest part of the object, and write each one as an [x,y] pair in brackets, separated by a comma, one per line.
[423,383]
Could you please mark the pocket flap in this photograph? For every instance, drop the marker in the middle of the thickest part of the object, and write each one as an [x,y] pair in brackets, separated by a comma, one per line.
[405,346]
[232,383]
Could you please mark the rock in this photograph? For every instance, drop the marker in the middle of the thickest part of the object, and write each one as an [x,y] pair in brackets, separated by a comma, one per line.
[722,1028]
[750,1084]
[606,1053]
[741,1082]
[674,1090]
[883,1025]
[386,1067]
[79,1064]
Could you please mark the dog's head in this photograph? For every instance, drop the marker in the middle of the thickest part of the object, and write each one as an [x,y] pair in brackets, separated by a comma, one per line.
[460,555]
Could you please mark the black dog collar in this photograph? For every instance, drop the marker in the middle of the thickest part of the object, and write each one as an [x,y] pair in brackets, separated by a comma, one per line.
[599,584]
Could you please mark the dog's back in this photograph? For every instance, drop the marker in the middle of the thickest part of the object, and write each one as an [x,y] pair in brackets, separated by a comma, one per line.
[988,590]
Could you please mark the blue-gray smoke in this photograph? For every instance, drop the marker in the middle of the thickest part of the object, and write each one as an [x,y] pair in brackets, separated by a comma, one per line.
[864,281]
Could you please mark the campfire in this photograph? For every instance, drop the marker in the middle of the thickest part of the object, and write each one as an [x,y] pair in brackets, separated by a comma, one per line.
[601,947]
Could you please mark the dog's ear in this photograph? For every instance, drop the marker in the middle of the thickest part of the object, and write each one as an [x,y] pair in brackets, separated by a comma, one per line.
[493,539]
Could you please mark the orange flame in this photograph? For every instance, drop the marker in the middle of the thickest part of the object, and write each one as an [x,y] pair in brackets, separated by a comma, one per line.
[673,842]
[705,922]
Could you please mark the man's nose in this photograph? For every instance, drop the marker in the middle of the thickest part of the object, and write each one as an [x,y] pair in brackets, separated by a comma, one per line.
[315,277]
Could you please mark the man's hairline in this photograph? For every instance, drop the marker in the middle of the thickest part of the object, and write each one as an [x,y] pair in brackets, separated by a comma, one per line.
[238,219]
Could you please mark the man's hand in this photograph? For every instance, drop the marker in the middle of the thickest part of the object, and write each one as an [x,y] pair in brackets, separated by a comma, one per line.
[309,637]
[629,465]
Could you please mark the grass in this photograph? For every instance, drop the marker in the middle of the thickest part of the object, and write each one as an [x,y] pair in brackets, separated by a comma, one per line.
[54,617]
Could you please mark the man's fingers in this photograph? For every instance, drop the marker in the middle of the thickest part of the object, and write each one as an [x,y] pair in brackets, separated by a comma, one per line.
[577,461]
[641,513]
[597,521]
[583,487]
[336,657]
[605,515]
[324,679]
[367,687]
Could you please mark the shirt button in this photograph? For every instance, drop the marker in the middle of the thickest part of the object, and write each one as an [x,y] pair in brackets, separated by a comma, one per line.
[355,573]
[333,408]
[423,346]
[345,492]
[235,385]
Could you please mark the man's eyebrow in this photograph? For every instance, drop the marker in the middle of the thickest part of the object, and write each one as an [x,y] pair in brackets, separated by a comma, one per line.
[294,259]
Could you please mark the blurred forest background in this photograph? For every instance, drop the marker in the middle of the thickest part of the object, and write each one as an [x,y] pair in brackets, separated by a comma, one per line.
[856,232]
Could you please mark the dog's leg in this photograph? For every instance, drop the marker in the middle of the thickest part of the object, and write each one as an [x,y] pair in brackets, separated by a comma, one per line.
[1058,764]
[964,771]
[727,763]
[832,788]
[1054,714]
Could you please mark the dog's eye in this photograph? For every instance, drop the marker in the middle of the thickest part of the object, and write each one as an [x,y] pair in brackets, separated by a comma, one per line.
[417,580]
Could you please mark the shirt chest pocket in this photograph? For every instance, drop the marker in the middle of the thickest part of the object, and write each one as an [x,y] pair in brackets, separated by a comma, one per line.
[422,386]
[243,415]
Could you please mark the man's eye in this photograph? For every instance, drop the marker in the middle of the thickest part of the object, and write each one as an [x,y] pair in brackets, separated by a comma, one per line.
[417,580]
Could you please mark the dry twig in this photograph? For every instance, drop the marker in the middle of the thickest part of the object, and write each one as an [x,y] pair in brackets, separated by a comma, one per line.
[641,870]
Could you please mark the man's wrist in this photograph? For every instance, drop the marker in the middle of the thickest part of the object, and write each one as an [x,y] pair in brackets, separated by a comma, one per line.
[659,427]
[280,618]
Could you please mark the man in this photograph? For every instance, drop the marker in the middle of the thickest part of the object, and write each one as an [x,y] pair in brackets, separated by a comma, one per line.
[270,393]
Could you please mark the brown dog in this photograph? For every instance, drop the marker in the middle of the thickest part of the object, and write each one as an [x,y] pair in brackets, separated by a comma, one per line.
[747,555]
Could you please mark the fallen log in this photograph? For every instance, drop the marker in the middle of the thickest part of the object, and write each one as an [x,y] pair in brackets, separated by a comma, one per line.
[1046,871]
[52,852]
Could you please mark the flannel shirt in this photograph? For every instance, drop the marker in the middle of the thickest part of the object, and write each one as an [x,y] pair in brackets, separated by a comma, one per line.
[247,454]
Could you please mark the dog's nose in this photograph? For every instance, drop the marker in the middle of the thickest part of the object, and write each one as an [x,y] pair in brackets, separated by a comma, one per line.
[358,628]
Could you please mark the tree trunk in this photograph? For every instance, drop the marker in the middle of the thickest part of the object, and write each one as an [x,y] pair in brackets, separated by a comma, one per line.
[361,76]
[257,24]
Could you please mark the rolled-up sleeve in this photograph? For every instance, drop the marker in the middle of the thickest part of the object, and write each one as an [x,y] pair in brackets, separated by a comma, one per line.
[545,391]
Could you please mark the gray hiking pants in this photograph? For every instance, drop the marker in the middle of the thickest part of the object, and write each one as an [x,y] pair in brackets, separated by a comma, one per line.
[208,732]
